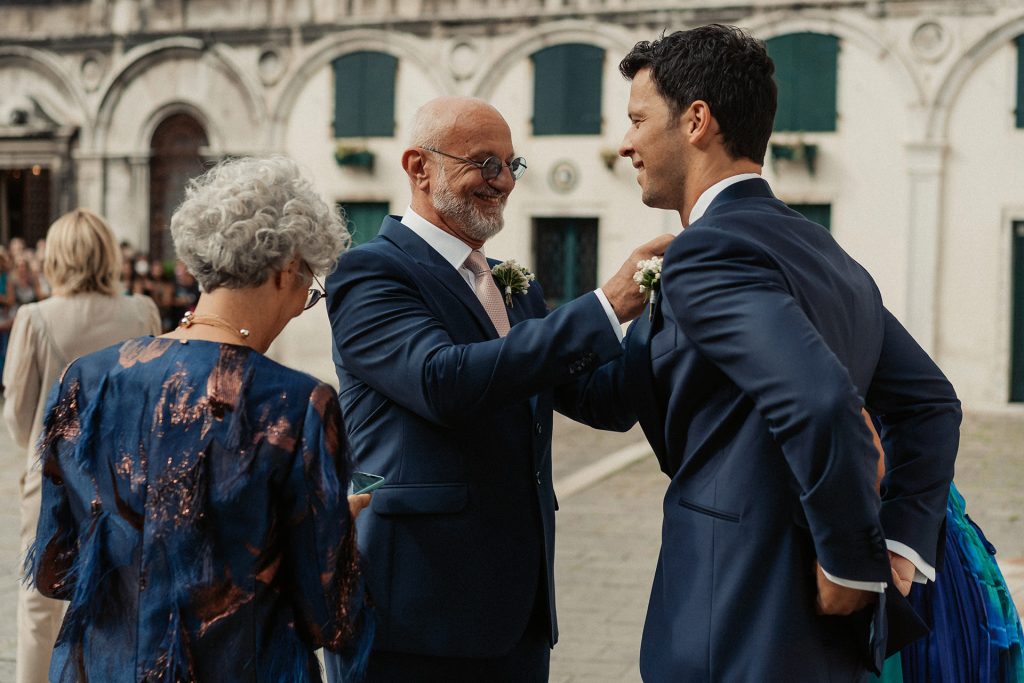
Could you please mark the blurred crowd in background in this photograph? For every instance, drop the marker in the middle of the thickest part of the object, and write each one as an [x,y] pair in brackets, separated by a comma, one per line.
[22,281]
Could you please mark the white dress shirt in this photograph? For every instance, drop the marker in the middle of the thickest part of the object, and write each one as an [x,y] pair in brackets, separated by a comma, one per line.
[454,251]
[708,195]
[925,572]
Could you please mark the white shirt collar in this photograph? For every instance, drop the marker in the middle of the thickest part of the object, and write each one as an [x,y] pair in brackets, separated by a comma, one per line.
[708,196]
[450,247]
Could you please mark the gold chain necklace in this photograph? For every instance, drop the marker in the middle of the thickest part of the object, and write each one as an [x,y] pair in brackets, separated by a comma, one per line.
[213,320]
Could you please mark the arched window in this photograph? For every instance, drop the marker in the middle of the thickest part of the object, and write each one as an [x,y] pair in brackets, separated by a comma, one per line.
[805,71]
[176,158]
[567,90]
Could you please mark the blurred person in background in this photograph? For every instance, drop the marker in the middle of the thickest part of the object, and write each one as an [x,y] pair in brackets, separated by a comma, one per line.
[148,280]
[36,264]
[24,282]
[6,306]
[127,264]
[86,313]
[184,294]
[194,509]
[16,247]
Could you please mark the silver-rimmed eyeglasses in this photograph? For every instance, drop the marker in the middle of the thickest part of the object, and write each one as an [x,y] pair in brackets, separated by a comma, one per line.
[490,168]
[313,294]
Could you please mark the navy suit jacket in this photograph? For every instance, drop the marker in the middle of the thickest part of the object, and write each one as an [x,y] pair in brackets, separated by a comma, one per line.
[767,340]
[460,540]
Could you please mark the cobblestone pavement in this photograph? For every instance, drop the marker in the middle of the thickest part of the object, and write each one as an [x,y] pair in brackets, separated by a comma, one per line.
[608,536]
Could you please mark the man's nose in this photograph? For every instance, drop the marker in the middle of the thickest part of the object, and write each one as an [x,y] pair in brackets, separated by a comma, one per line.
[504,181]
[626,147]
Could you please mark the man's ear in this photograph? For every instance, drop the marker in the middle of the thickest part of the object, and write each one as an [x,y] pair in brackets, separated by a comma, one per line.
[414,163]
[700,126]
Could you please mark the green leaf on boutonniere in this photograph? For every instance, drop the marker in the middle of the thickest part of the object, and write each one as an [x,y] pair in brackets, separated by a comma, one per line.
[513,278]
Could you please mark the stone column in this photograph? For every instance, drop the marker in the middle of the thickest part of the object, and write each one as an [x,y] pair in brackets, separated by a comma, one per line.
[90,181]
[925,168]
[139,189]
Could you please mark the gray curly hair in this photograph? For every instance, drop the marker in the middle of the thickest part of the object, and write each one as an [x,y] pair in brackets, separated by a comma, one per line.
[246,218]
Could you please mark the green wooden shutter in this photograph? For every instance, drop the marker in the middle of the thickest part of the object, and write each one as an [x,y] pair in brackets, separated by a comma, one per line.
[364,95]
[567,86]
[806,65]
[781,51]
[819,213]
[1020,81]
[364,219]
[1017,331]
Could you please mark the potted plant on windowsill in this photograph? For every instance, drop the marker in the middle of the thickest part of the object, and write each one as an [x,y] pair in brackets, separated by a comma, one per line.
[796,151]
[354,157]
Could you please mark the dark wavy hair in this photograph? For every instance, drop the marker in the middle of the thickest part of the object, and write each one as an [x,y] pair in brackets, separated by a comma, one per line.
[725,67]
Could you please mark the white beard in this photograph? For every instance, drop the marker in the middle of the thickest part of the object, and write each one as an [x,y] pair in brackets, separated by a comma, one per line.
[475,222]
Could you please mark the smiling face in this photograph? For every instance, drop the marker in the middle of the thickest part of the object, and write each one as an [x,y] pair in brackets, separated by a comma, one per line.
[655,144]
[469,205]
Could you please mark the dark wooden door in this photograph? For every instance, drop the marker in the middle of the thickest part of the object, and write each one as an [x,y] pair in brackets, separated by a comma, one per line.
[176,158]
[1017,319]
[27,209]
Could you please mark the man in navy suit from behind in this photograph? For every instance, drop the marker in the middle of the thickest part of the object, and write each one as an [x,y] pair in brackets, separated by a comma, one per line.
[454,407]
[767,341]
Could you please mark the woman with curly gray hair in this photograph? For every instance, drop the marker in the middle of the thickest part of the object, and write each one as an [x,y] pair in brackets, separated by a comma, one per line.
[194,510]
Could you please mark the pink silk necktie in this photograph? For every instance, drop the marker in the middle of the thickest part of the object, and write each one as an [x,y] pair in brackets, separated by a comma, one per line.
[488,292]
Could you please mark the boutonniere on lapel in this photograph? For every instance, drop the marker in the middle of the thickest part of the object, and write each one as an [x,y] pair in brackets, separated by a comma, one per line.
[513,278]
[648,276]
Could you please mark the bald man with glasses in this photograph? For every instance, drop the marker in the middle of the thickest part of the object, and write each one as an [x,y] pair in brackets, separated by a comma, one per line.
[447,387]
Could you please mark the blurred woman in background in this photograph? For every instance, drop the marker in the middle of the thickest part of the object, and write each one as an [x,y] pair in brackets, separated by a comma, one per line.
[86,313]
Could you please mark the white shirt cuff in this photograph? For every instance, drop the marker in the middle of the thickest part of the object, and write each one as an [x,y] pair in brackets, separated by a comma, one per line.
[873,586]
[610,312]
[925,572]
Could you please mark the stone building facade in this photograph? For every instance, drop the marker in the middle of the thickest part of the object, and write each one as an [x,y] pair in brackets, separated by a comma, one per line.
[903,130]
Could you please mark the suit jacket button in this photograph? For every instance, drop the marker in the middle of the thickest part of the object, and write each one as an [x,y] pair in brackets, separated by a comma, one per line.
[538,428]
[538,477]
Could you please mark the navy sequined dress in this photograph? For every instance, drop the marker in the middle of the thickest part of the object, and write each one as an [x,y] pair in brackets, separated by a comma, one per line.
[194,514]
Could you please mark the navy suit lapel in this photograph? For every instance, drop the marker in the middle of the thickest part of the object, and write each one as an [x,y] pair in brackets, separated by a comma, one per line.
[516,312]
[413,245]
[640,378]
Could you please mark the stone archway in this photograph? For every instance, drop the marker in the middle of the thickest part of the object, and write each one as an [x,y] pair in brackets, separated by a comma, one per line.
[973,56]
[42,112]
[319,55]
[611,38]
[176,157]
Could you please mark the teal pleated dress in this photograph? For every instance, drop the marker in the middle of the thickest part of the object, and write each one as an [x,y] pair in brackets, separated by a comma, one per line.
[976,631]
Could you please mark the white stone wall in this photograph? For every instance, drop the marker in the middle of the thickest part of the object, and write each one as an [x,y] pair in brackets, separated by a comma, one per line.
[984,193]
[923,173]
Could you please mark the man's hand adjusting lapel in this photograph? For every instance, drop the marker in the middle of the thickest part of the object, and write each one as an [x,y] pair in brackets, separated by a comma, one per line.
[621,291]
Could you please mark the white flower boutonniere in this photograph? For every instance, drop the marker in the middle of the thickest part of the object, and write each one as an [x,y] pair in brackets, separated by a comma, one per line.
[648,276]
[513,278]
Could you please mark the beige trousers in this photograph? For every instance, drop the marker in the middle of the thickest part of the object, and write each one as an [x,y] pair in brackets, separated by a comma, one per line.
[39,618]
